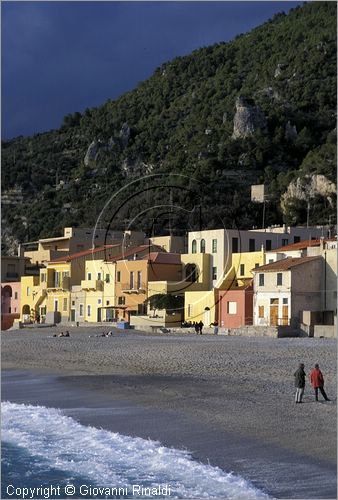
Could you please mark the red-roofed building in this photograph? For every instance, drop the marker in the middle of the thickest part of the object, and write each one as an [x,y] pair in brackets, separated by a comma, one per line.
[285,288]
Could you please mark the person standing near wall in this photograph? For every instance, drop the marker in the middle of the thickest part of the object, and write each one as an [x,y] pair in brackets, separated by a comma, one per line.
[317,382]
[299,383]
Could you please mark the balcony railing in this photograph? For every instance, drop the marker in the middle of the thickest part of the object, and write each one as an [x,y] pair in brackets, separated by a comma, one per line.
[92,285]
[136,288]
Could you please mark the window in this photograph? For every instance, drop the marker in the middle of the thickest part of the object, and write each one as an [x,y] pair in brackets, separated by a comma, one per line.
[285,241]
[189,309]
[191,273]
[57,279]
[43,277]
[11,268]
[118,276]
[16,295]
[270,261]
[89,310]
[232,307]
[252,245]
[99,301]
[131,279]
[256,264]
[81,310]
[234,245]
[285,301]
[89,276]
[139,279]
[107,302]
[261,279]
[296,239]
[9,310]
[268,245]
[121,301]
[56,305]
[28,291]
[107,278]
[193,246]
[242,269]
[99,276]
[202,246]
[214,273]
[73,302]
[65,303]
[214,246]
[261,311]
[279,279]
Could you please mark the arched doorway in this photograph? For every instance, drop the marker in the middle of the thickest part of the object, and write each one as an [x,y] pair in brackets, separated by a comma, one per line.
[206,316]
[191,273]
[26,313]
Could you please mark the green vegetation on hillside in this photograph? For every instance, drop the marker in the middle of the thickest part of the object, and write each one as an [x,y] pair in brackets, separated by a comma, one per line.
[181,120]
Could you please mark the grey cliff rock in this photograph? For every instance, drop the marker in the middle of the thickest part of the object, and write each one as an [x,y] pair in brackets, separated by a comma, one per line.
[248,118]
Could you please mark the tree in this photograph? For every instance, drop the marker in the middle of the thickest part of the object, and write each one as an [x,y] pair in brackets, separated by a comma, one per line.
[169,302]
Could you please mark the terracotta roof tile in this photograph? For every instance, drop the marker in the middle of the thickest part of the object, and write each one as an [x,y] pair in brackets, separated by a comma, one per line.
[300,245]
[284,264]
[83,253]
[163,258]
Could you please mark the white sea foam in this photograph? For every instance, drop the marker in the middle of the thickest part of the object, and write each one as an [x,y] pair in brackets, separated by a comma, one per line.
[111,459]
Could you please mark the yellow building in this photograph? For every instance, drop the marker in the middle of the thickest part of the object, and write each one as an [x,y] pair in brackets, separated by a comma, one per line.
[49,295]
[99,287]
[241,268]
[201,303]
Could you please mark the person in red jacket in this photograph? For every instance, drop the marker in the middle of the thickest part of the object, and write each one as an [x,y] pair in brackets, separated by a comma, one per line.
[317,382]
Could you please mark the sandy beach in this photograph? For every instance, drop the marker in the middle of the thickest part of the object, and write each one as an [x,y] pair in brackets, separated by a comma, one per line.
[229,400]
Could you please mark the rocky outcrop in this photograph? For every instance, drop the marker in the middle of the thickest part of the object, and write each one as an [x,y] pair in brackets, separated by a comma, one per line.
[92,153]
[135,167]
[309,186]
[94,149]
[279,69]
[248,118]
[290,132]
[125,134]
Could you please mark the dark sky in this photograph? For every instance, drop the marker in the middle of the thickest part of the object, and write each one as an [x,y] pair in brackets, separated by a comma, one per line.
[61,57]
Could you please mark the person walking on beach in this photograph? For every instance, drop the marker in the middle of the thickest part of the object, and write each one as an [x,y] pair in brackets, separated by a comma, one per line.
[317,382]
[299,383]
[200,326]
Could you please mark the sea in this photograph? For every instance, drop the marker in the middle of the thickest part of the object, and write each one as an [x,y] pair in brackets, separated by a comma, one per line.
[47,454]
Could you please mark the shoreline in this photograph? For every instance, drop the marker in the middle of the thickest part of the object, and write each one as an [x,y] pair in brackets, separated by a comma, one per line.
[248,425]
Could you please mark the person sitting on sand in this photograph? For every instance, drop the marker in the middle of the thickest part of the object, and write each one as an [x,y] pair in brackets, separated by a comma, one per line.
[61,334]
[299,383]
[109,334]
[54,335]
[317,382]
[67,334]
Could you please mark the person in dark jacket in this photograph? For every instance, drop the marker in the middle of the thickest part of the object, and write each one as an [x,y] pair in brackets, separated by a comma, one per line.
[200,324]
[317,382]
[299,383]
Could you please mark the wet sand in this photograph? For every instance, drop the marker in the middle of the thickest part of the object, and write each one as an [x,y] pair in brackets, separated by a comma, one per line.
[228,400]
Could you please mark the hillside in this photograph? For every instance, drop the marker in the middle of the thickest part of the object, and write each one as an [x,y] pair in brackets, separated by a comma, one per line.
[260,109]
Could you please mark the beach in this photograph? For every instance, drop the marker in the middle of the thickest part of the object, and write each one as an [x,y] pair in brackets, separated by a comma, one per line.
[228,400]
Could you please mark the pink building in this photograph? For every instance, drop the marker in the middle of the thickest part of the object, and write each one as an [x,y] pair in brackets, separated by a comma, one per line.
[235,306]
[10,304]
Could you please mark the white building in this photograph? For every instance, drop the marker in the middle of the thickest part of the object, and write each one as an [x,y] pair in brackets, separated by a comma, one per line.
[222,243]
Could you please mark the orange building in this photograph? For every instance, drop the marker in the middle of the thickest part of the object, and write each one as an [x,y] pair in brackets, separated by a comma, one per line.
[133,276]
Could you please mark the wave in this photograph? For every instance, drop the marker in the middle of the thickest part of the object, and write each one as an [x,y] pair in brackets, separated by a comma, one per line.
[107,458]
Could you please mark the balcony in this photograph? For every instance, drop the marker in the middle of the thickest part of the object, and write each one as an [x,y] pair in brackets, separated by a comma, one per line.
[96,285]
[128,288]
[63,284]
